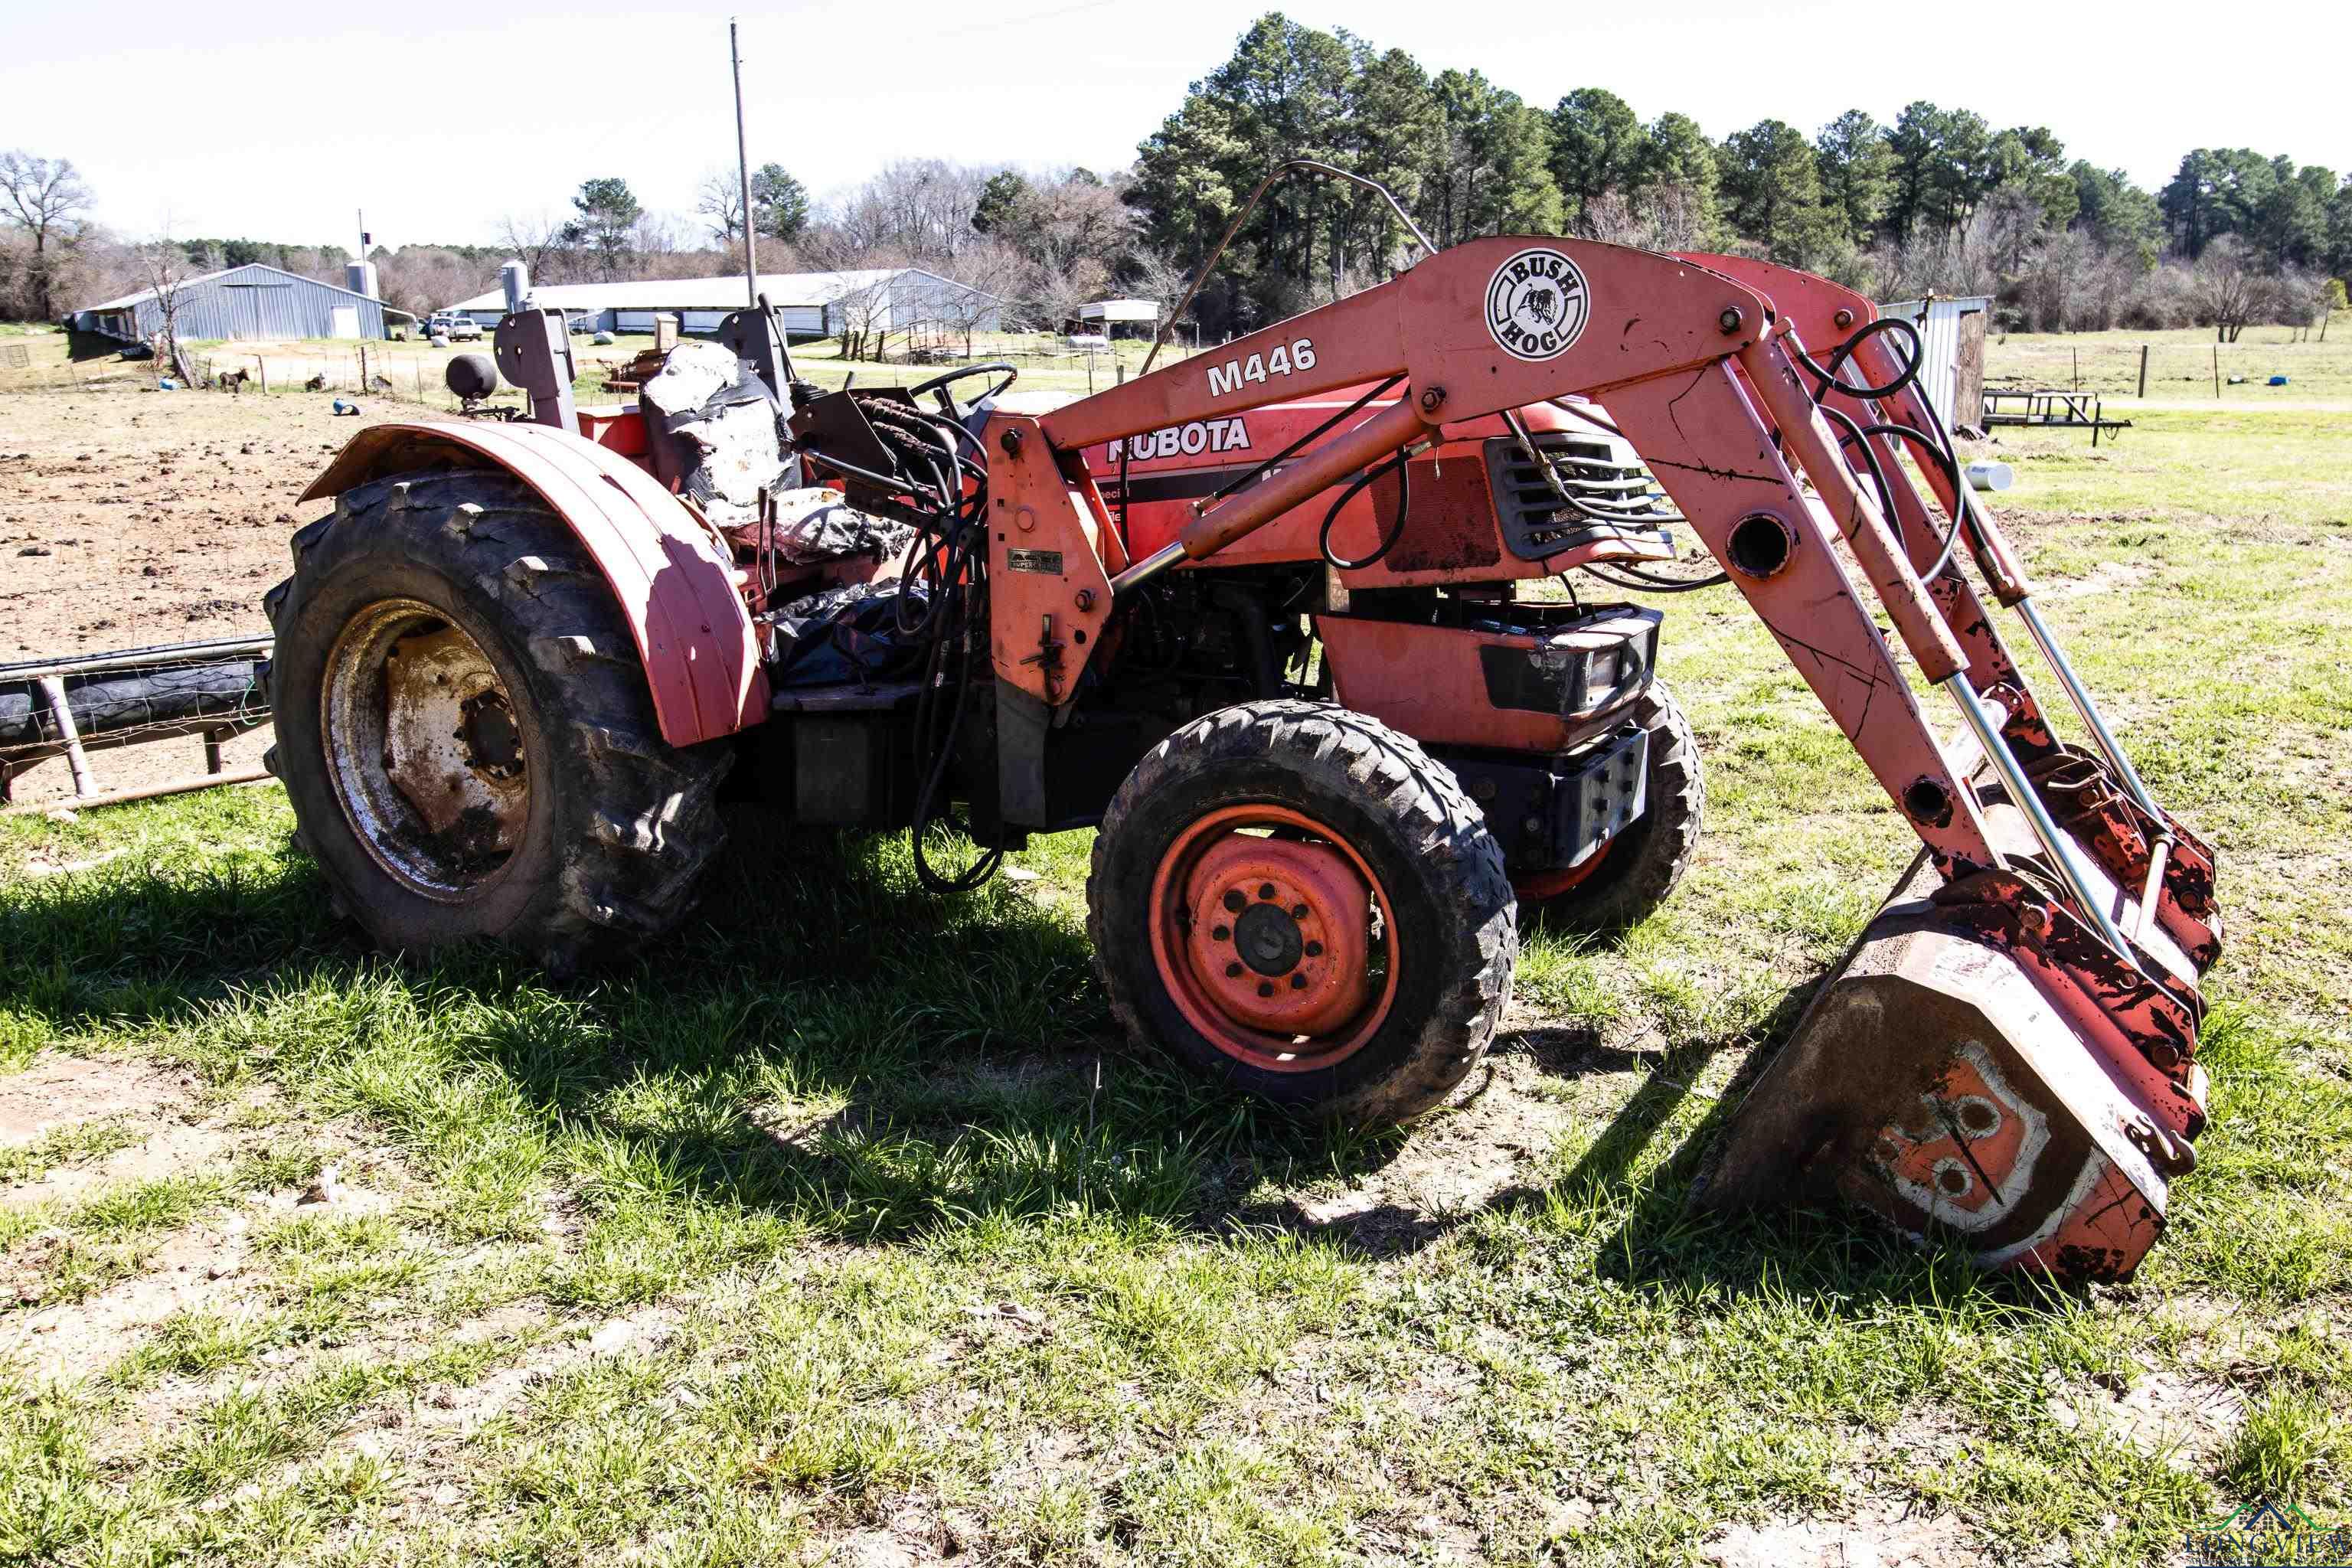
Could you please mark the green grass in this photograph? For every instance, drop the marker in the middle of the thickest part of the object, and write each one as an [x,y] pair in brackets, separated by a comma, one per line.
[2180,363]
[847,1213]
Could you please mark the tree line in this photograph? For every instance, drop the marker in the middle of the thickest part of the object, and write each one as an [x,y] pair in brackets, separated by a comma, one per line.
[1940,200]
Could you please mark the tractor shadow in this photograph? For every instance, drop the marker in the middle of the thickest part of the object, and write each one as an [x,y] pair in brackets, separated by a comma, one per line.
[823,1044]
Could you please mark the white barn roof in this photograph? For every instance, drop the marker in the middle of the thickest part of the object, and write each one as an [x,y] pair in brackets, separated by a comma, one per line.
[1120,310]
[143,295]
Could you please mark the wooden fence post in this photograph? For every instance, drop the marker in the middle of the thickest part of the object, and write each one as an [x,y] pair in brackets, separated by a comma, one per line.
[2217,370]
[2142,370]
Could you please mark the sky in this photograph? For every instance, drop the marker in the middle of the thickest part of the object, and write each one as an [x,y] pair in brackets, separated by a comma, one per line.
[438,118]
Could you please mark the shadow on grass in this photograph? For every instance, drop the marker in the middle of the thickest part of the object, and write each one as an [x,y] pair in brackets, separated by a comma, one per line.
[822,1042]
[82,347]
[824,1049]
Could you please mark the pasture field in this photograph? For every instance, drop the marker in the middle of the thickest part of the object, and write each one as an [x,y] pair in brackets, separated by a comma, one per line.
[843,1228]
[2180,363]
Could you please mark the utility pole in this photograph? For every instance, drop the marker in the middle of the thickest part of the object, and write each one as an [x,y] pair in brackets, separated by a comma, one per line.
[743,168]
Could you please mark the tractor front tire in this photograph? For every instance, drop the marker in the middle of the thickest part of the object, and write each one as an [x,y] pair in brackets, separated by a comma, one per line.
[465,733]
[1636,869]
[1299,901]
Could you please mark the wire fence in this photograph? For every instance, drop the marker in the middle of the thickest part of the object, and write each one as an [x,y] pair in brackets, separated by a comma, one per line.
[77,707]
[2271,364]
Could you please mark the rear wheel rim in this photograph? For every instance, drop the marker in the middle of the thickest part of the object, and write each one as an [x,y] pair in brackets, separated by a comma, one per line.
[1274,938]
[425,748]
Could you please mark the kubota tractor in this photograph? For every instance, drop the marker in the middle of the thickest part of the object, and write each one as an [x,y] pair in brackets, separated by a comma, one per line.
[1261,618]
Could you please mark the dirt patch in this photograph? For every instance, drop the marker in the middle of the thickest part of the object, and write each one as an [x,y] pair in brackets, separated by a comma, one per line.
[200,1266]
[59,1091]
[1496,1136]
[133,518]
[2106,577]
[1893,1540]
[2164,1414]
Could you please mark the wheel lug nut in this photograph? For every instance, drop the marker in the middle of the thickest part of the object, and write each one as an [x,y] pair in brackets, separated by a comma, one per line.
[1314,949]
[1298,911]
[1220,934]
[1266,891]
[1266,988]
[1234,901]
[1233,971]
[1297,980]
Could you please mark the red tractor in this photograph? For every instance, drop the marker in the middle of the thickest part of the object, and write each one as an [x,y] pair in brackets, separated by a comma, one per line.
[1260,618]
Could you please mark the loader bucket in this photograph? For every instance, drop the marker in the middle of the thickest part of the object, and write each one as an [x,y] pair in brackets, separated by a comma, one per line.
[1962,1076]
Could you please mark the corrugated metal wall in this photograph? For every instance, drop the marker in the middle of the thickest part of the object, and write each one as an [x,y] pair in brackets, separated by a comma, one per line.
[918,298]
[259,302]
[1938,321]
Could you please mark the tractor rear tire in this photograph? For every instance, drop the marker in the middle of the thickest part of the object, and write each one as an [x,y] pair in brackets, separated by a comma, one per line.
[1353,949]
[1642,864]
[465,733]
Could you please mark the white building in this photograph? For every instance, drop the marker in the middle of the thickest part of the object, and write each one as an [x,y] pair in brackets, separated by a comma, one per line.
[1108,316]
[1951,352]
[815,304]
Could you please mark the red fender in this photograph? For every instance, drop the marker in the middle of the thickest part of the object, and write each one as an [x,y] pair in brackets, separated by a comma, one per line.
[673,580]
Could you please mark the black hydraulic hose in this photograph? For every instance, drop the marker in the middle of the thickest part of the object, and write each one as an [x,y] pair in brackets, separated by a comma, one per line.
[1315,435]
[1869,455]
[1405,500]
[1828,377]
[954,632]
[1644,582]
[1941,449]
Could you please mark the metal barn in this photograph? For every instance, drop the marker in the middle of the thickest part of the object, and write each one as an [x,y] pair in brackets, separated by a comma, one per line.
[815,304]
[1951,353]
[256,300]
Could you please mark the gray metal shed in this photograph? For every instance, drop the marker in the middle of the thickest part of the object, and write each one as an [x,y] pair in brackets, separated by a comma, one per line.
[256,300]
[1951,351]
[815,304]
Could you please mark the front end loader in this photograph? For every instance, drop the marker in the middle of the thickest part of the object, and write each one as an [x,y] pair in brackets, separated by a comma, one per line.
[1261,618]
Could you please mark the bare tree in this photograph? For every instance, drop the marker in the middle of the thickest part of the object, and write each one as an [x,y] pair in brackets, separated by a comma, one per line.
[1153,275]
[1050,296]
[920,208]
[420,279]
[47,198]
[989,273]
[865,311]
[168,270]
[538,241]
[719,202]
[2227,290]
[1655,217]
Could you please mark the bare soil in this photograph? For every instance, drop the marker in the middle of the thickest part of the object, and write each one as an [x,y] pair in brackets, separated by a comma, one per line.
[131,518]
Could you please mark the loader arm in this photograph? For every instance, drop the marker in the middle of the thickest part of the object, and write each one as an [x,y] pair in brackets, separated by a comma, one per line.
[1495,325]
[2061,921]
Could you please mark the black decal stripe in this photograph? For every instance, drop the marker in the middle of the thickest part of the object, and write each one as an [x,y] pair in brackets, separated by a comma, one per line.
[1179,484]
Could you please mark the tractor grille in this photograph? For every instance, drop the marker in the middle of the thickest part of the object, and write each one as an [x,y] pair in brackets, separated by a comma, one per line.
[1603,473]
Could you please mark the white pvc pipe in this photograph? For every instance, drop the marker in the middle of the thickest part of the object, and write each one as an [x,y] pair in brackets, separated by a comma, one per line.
[1991,476]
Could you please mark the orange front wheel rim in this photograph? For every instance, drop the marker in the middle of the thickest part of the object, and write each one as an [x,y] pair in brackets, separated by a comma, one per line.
[1274,938]
[1537,886]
